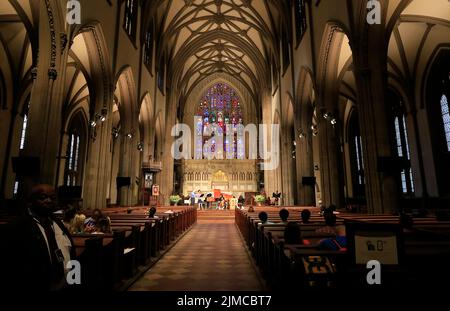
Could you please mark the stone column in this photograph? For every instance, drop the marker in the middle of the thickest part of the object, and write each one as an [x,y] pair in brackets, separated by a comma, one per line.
[330,164]
[287,170]
[167,173]
[305,164]
[44,119]
[371,79]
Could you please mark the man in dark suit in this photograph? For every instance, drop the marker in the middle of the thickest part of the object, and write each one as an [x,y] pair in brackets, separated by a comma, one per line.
[38,246]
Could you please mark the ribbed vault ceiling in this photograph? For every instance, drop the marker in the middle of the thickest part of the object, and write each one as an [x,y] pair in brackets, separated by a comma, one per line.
[204,37]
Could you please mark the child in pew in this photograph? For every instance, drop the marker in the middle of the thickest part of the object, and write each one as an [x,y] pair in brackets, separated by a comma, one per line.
[338,243]
[284,215]
[97,223]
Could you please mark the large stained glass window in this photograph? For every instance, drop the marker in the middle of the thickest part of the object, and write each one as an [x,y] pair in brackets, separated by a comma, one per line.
[217,121]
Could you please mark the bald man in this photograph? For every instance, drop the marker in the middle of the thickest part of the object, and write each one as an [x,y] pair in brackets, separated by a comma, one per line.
[40,245]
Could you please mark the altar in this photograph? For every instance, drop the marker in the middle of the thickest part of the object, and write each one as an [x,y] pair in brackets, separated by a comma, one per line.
[232,176]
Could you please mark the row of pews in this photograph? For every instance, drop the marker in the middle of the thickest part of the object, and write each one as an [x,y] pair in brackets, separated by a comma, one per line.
[113,261]
[425,251]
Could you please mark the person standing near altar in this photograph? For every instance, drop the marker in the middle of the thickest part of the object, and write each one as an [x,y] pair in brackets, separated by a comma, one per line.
[276,195]
[192,195]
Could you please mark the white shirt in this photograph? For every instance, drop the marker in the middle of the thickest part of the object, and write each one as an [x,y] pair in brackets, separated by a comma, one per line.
[62,240]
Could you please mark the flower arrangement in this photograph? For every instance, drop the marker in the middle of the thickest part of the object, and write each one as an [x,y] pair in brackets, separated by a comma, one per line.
[174,198]
[260,198]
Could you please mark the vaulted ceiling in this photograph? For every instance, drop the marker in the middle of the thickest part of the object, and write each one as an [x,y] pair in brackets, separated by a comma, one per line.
[204,37]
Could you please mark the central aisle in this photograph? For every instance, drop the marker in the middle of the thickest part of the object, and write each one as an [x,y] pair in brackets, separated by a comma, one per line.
[211,257]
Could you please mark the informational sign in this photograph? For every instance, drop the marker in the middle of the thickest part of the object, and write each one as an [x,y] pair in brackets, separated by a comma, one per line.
[155,190]
[380,247]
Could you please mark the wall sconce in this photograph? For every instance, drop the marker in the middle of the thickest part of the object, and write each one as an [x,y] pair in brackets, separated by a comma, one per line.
[93,123]
[130,136]
[115,132]
[140,146]
[100,117]
[330,117]
[314,130]
[294,143]
[301,135]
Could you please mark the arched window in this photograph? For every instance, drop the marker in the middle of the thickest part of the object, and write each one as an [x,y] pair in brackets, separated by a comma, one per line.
[220,111]
[148,47]
[401,139]
[446,119]
[74,152]
[23,133]
[300,19]
[356,156]
[130,18]
[23,136]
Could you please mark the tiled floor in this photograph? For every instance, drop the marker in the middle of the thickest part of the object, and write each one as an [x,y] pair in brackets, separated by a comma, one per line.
[210,257]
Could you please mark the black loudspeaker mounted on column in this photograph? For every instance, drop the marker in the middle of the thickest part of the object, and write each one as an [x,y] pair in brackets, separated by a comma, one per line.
[308,181]
[123,182]
[69,193]
[26,166]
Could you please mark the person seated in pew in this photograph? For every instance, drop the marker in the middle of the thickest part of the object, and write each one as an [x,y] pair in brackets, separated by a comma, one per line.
[264,218]
[305,215]
[251,209]
[97,223]
[338,243]
[104,225]
[284,215]
[152,212]
[38,246]
[293,234]
[330,224]
[74,220]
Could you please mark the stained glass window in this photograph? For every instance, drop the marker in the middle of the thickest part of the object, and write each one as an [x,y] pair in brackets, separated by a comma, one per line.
[24,132]
[359,160]
[73,153]
[130,17]
[446,119]
[217,121]
[300,19]
[402,144]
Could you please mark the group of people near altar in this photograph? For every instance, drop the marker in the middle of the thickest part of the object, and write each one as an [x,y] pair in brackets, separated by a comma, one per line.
[222,201]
